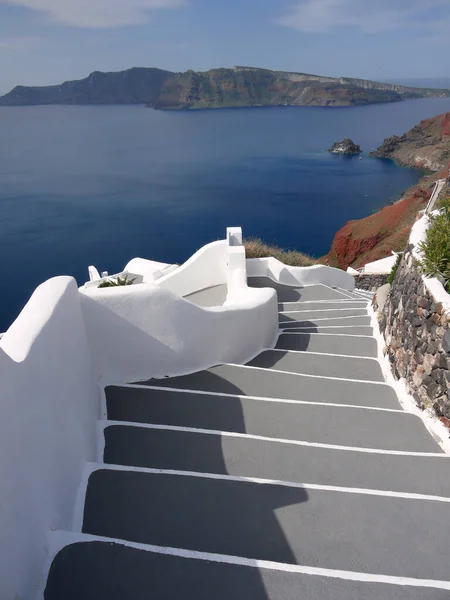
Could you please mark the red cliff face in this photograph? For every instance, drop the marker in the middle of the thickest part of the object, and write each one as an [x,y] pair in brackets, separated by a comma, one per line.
[375,236]
[446,125]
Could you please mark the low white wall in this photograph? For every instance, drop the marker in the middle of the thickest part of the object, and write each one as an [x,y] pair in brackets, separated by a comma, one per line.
[206,268]
[49,407]
[382,266]
[144,331]
[281,273]
[150,270]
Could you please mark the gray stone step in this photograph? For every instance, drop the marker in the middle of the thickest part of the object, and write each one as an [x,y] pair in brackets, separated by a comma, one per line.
[344,367]
[358,532]
[247,457]
[335,343]
[295,294]
[334,304]
[324,322]
[311,315]
[308,422]
[356,293]
[233,379]
[350,330]
[107,571]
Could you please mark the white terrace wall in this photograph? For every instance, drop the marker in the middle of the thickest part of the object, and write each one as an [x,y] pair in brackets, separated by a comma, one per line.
[317,274]
[206,268]
[49,407]
[143,331]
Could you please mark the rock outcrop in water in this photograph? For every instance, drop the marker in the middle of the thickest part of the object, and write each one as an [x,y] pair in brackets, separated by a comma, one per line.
[347,146]
[240,86]
[374,237]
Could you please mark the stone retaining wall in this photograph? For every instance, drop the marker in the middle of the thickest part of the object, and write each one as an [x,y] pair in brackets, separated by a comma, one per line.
[417,334]
[370,282]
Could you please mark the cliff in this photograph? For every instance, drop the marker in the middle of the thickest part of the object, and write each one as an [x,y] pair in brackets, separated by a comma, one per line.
[134,86]
[426,145]
[374,237]
[240,86]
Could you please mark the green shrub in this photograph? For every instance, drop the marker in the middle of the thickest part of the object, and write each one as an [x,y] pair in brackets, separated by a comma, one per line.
[394,269]
[116,282]
[436,247]
[256,248]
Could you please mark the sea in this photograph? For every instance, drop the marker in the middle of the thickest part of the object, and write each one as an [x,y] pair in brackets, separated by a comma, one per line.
[99,185]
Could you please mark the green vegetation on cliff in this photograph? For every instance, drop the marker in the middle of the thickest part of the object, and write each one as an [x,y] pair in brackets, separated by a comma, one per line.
[436,247]
[239,86]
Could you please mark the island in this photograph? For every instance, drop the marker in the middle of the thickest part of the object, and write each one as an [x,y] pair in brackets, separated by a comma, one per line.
[347,146]
[216,88]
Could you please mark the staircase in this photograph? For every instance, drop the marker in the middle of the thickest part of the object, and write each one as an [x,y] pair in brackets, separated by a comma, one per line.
[297,476]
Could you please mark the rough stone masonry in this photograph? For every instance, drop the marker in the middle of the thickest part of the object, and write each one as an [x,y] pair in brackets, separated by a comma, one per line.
[417,334]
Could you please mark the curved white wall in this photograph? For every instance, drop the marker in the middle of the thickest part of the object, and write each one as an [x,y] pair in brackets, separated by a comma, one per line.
[49,406]
[150,270]
[144,331]
[206,268]
[281,273]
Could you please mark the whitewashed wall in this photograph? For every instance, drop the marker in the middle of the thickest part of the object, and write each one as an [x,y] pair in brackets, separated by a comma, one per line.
[48,409]
[279,272]
[144,331]
[206,268]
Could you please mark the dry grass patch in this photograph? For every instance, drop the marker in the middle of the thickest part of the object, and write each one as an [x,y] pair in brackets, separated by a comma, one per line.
[256,248]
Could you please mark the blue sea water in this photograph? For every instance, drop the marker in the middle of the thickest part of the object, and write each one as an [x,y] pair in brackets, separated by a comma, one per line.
[84,185]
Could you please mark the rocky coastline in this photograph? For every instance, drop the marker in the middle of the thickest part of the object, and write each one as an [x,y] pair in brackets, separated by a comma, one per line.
[425,146]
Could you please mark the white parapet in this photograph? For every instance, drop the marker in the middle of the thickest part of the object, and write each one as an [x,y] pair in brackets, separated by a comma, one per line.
[234,236]
[380,267]
[206,268]
[50,403]
[300,276]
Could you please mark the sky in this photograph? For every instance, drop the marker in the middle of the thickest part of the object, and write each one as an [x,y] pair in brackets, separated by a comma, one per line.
[45,42]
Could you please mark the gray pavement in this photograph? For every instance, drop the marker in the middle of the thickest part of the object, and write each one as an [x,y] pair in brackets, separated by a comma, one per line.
[345,367]
[323,438]
[358,532]
[233,379]
[248,457]
[308,314]
[343,330]
[97,571]
[308,422]
[334,344]
[296,293]
[332,304]
[323,321]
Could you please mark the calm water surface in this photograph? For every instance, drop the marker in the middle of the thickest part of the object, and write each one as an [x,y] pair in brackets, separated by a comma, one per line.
[84,185]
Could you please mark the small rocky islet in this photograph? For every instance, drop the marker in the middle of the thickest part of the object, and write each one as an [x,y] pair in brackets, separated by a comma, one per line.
[347,146]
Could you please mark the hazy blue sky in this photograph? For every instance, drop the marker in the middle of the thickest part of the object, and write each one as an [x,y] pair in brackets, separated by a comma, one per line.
[47,41]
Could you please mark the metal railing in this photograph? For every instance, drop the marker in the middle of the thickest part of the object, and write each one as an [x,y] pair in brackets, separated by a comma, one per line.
[438,187]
